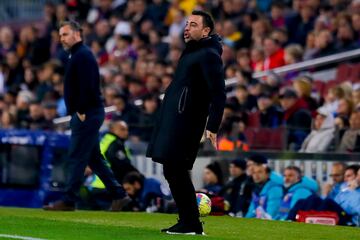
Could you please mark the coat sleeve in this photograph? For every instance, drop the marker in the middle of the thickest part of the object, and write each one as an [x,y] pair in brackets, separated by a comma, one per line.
[212,69]
[273,201]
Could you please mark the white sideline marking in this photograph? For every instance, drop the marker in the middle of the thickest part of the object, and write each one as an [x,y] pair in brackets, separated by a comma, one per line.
[19,237]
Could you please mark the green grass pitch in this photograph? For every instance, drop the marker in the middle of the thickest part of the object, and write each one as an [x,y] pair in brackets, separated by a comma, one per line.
[88,225]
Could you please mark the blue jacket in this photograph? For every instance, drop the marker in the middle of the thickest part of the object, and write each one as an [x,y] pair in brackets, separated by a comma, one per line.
[349,200]
[309,183]
[150,191]
[335,191]
[266,203]
[293,194]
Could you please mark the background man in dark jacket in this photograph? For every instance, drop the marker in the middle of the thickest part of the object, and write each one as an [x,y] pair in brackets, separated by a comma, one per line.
[83,101]
[196,93]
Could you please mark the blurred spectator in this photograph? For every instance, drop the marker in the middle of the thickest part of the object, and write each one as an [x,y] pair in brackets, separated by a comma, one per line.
[7,43]
[349,199]
[231,135]
[356,98]
[213,179]
[324,44]
[330,190]
[270,114]
[350,142]
[293,54]
[297,118]
[350,175]
[236,191]
[35,120]
[124,111]
[277,15]
[257,59]
[50,113]
[266,195]
[7,120]
[147,117]
[332,98]
[243,101]
[322,134]
[345,38]
[294,191]
[147,193]
[14,71]
[274,54]
[303,88]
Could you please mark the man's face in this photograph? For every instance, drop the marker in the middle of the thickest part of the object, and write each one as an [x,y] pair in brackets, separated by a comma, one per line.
[235,171]
[259,174]
[337,174]
[290,177]
[132,189]
[121,130]
[194,29]
[68,37]
[287,103]
[349,175]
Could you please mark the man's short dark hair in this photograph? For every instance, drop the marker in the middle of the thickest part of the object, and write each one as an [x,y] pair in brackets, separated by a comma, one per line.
[354,168]
[75,26]
[207,19]
[296,169]
[134,177]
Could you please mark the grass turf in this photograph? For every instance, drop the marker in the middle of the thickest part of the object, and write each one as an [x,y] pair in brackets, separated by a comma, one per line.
[90,225]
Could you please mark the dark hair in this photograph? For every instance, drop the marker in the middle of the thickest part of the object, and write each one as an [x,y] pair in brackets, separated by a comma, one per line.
[207,19]
[354,168]
[72,24]
[133,177]
[296,169]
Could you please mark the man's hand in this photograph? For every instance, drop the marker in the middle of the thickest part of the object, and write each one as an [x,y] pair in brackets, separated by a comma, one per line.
[82,117]
[212,137]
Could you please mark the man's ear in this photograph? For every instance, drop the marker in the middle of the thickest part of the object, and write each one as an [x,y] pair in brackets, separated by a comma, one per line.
[206,31]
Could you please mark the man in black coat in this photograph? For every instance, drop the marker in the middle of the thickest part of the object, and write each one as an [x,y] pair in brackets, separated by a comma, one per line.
[194,100]
[84,104]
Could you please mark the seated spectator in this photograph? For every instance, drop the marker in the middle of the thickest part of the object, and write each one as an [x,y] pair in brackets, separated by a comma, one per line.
[213,179]
[332,98]
[294,191]
[270,114]
[147,193]
[303,88]
[266,195]
[349,199]
[236,191]
[148,116]
[232,137]
[35,119]
[7,120]
[50,113]
[297,118]
[341,125]
[345,108]
[261,159]
[242,101]
[322,134]
[293,54]
[349,176]
[274,54]
[356,98]
[330,190]
[351,138]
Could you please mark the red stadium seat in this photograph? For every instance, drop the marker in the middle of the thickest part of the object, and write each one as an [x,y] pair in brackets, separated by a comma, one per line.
[265,138]
[355,73]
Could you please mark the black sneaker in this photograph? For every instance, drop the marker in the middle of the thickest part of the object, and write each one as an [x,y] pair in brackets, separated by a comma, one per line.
[185,228]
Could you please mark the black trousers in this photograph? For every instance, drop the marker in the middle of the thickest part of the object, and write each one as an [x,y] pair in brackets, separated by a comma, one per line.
[84,150]
[182,190]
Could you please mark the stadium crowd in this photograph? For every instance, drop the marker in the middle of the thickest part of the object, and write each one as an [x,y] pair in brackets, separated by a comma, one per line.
[137,44]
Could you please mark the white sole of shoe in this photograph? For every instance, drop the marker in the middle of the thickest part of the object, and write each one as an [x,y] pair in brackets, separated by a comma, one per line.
[188,233]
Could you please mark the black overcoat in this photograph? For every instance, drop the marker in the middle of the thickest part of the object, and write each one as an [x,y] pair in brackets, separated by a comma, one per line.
[194,99]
